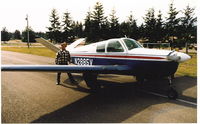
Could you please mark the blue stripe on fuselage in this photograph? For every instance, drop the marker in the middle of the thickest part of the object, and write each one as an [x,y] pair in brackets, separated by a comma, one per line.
[138,67]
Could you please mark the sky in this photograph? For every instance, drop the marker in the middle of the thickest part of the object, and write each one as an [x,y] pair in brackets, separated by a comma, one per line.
[13,12]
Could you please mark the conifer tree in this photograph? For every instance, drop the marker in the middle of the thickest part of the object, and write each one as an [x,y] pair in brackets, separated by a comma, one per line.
[150,24]
[188,26]
[133,29]
[159,27]
[67,26]
[88,27]
[124,29]
[77,30]
[141,31]
[172,23]
[114,25]
[98,23]
[54,30]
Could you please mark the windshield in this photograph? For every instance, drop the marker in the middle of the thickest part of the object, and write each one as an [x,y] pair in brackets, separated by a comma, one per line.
[131,44]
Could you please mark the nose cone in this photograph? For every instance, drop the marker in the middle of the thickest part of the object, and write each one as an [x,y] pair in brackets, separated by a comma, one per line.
[183,57]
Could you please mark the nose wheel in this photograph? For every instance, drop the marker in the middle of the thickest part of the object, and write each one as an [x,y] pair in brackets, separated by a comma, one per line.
[171,92]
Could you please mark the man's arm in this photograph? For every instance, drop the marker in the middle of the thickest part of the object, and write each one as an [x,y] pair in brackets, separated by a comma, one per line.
[57,57]
[69,57]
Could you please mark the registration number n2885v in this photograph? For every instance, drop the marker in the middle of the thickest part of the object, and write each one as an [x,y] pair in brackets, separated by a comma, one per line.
[83,61]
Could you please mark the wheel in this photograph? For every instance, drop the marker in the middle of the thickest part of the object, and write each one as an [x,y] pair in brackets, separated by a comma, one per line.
[172,93]
[139,79]
[91,81]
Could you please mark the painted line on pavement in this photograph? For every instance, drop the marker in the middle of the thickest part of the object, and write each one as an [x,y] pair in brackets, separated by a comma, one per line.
[164,96]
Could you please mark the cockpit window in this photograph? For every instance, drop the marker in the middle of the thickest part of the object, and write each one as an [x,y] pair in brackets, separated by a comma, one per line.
[131,44]
[114,46]
[101,47]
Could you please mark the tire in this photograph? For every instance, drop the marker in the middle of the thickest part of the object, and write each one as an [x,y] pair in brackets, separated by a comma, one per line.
[172,94]
[140,79]
[91,81]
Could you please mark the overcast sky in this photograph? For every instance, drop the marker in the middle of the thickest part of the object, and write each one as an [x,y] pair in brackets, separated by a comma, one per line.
[13,12]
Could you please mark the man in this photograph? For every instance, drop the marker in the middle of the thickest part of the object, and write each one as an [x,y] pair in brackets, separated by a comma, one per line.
[62,58]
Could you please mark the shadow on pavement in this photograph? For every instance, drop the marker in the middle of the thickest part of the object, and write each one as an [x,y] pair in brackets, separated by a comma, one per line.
[181,84]
[115,103]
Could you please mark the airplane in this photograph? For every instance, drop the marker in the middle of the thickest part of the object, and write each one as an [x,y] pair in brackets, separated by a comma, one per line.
[123,56]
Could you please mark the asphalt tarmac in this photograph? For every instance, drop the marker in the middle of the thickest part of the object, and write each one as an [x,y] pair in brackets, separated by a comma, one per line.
[34,97]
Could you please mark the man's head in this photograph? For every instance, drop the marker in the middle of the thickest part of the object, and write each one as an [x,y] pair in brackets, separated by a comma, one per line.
[63,45]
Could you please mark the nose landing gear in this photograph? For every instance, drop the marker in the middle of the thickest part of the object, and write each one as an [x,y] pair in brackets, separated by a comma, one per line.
[171,92]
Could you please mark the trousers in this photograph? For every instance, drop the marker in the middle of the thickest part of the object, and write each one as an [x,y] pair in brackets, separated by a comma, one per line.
[69,75]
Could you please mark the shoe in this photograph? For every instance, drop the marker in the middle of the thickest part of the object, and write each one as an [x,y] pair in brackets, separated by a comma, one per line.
[57,83]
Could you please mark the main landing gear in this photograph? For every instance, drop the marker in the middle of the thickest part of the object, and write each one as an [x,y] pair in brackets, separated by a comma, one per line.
[171,92]
[91,81]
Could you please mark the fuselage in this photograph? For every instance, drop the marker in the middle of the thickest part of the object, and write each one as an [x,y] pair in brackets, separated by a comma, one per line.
[124,51]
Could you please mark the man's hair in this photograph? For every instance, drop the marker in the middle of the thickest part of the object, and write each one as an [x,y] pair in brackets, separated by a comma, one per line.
[64,43]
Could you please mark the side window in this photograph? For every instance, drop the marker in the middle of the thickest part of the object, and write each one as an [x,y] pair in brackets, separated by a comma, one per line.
[114,46]
[101,47]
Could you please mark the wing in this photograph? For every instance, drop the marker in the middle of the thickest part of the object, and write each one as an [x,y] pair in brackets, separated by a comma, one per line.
[103,69]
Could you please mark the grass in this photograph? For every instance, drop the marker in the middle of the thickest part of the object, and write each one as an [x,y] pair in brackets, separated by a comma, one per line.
[20,44]
[188,68]
[41,51]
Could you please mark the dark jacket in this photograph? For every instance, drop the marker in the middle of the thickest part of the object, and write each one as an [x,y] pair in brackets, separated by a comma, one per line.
[62,57]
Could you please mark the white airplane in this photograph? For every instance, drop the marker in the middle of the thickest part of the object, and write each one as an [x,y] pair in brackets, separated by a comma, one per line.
[122,56]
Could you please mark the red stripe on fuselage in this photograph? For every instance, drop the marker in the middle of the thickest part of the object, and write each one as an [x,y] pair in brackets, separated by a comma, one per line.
[115,56]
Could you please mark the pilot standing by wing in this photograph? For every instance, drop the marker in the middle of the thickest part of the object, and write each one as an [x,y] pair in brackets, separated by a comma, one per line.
[62,58]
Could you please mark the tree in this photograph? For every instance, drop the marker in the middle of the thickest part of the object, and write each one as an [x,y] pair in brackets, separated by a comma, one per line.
[129,28]
[54,30]
[133,29]
[150,24]
[159,27]
[31,35]
[67,26]
[124,29]
[141,31]
[5,35]
[88,27]
[172,24]
[98,23]
[105,30]
[188,25]
[17,34]
[41,34]
[114,25]
[77,29]
[98,14]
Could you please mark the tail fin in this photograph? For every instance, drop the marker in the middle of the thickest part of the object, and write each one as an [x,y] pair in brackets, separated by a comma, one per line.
[47,44]
[56,49]
[76,43]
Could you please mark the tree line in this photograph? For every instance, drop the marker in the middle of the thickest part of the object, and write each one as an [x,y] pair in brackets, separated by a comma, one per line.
[17,35]
[96,26]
